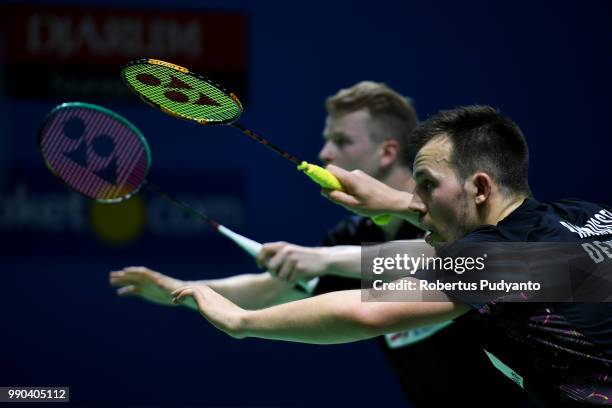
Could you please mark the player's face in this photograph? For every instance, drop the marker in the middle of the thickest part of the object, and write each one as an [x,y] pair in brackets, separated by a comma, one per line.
[440,196]
[348,143]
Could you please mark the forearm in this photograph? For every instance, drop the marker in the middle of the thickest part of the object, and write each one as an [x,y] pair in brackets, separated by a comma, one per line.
[345,260]
[341,317]
[319,320]
[253,291]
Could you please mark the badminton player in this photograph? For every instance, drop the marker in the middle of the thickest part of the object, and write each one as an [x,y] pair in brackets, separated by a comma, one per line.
[471,170]
[368,127]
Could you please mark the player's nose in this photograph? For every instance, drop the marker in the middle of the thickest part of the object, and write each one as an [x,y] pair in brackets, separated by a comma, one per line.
[417,205]
[326,154]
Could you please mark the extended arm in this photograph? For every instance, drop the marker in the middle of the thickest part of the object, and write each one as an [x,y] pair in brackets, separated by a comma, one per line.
[254,290]
[250,291]
[293,262]
[336,317]
[369,197]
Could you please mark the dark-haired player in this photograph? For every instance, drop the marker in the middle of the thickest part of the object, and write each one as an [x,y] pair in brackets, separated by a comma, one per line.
[471,169]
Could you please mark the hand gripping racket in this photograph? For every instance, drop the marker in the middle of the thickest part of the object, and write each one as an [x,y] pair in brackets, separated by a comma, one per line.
[104,157]
[186,95]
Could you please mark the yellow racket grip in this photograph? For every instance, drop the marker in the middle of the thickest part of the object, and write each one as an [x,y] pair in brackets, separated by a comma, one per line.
[321,176]
[327,180]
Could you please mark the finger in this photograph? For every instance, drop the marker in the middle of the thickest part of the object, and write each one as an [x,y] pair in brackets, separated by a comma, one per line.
[141,276]
[287,268]
[127,279]
[342,198]
[275,264]
[346,178]
[260,259]
[123,280]
[293,276]
[128,291]
[118,282]
[175,294]
[136,269]
[267,251]
[140,271]
[184,294]
[137,276]
[177,291]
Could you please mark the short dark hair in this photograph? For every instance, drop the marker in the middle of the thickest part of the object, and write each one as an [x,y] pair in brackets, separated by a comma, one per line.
[394,116]
[482,140]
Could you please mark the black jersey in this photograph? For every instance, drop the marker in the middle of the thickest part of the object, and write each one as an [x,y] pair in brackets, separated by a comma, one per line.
[437,366]
[561,353]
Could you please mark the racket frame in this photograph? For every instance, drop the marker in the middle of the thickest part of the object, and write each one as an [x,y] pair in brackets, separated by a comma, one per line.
[114,115]
[183,70]
[248,245]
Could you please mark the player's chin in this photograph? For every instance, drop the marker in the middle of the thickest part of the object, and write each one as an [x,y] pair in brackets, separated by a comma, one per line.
[434,239]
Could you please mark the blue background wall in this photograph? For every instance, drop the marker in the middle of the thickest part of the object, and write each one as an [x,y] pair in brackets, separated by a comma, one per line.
[545,64]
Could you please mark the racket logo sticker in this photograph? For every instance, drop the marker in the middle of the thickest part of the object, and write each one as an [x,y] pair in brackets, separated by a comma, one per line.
[102,146]
[94,151]
[176,89]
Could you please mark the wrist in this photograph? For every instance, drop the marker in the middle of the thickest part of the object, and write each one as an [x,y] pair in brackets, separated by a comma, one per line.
[332,260]
[327,258]
[242,325]
[174,284]
[400,204]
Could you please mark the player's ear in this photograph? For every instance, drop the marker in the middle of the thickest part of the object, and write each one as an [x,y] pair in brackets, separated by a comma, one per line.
[389,151]
[480,185]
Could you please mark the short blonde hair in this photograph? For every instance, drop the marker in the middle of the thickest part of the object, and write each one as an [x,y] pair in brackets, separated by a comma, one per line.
[393,115]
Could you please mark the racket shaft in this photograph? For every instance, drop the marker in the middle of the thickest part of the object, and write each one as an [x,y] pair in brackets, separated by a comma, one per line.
[190,209]
[266,143]
[251,247]
[248,245]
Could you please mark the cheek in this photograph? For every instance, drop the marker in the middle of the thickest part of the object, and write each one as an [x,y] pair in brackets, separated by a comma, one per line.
[351,154]
[355,150]
[445,204]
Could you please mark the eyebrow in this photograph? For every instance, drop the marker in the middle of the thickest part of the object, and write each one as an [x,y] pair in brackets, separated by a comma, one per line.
[419,174]
[331,135]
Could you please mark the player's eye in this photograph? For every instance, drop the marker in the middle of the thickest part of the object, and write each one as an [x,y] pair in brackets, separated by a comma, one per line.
[341,142]
[427,185]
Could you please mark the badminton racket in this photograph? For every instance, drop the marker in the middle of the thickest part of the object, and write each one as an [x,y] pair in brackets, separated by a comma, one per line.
[177,91]
[104,157]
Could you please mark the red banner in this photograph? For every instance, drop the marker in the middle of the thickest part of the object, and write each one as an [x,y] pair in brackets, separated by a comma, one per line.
[78,51]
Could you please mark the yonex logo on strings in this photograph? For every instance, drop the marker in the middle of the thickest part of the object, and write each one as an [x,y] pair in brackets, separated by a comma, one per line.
[102,145]
[175,89]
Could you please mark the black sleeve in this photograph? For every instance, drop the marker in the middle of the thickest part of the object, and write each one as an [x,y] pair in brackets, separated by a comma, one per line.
[345,232]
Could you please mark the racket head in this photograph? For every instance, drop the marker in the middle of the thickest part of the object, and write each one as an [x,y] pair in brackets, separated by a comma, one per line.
[95,151]
[181,93]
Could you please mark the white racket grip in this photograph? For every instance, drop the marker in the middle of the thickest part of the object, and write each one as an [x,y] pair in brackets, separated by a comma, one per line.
[253,247]
[310,285]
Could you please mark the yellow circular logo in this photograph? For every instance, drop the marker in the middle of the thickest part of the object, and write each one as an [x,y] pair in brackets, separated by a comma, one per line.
[118,224]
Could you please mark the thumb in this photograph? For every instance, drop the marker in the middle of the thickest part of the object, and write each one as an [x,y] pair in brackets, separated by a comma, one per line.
[342,198]
[345,177]
[268,251]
